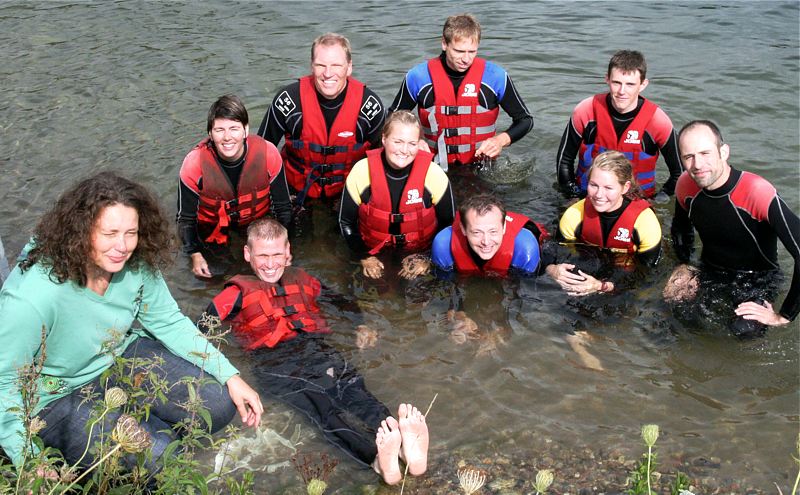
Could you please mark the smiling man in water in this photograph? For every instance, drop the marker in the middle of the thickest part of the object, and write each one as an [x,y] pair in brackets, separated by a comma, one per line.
[459,96]
[328,120]
[275,316]
[740,218]
[620,120]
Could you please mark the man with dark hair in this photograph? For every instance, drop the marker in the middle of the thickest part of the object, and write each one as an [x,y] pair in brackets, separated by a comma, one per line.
[459,96]
[276,317]
[620,120]
[229,179]
[740,218]
[328,120]
[486,239]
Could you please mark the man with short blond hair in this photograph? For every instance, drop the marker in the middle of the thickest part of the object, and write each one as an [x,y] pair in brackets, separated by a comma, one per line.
[327,120]
[459,96]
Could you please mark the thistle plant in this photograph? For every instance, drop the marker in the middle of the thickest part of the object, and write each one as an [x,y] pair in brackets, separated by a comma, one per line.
[649,435]
[129,437]
[315,473]
[471,480]
[544,479]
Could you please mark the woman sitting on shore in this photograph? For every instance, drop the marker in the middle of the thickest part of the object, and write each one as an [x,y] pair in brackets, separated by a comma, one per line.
[90,272]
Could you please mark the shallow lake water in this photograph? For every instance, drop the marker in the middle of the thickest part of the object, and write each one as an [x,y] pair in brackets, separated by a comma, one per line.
[126,86]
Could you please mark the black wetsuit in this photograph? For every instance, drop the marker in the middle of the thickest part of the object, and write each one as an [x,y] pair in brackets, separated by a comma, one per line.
[314,378]
[739,224]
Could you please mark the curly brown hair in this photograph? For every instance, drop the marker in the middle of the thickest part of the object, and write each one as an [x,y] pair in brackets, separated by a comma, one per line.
[62,239]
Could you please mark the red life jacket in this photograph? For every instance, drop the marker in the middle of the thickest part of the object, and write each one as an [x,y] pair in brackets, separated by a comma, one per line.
[417,223]
[219,204]
[620,237]
[273,313]
[318,162]
[500,262]
[457,125]
[630,144]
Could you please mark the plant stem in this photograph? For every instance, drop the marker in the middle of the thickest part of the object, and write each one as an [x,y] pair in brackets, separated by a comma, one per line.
[91,468]
[796,482]
[649,455]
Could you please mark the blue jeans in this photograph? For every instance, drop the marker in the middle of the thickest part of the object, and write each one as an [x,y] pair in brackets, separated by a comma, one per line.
[67,418]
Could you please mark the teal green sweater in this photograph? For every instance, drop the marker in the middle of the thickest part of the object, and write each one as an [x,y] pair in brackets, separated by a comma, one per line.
[84,331]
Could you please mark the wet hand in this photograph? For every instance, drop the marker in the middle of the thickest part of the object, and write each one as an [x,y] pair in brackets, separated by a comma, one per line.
[682,284]
[199,266]
[247,401]
[415,265]
[751,310]
[493,146]
[366,337]
[372,266]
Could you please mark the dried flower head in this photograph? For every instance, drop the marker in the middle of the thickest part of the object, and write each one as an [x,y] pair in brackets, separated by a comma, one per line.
[544,479]
[650,434]
[115,397]
[471,480]
[130,436]
[36,425]
[316,487]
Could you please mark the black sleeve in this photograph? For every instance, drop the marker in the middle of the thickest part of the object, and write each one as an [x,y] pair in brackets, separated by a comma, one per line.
[565,161]
[404,100]
[521,118]
[682,232]
[373,121]
[445,209]
[672,158]
[787,227]
[280,200]
[348,224]
[651,257]
[188,202]
[273,126]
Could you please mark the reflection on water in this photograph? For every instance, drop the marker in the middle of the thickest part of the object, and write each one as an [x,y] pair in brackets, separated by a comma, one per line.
[127,86]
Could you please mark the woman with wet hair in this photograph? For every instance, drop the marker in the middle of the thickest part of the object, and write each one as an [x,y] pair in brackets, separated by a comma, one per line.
[88,290]
[613,217]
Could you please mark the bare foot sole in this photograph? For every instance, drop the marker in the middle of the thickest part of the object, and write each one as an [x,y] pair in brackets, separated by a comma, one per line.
[414,431]
[388,440]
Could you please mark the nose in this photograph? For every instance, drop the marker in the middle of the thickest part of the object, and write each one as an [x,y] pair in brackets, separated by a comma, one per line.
[121,243]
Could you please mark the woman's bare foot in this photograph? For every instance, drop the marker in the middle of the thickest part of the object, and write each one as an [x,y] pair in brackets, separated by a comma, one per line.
[415,438]
[388,440]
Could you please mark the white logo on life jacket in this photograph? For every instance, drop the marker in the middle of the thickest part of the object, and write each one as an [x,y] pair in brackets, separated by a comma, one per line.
[623,235]
[345,134]
[632,138]
[413,197]
[469,90]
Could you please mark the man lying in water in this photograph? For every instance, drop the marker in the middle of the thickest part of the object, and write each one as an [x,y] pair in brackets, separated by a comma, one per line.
[276,317]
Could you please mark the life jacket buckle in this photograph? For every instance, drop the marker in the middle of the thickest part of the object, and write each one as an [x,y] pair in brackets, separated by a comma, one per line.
[396,218]
[450,110]
[290,310]
[399,239]
[327,150]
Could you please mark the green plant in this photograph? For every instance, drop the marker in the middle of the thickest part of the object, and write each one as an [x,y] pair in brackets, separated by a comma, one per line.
[314,472]
[137,388]
[544,479]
